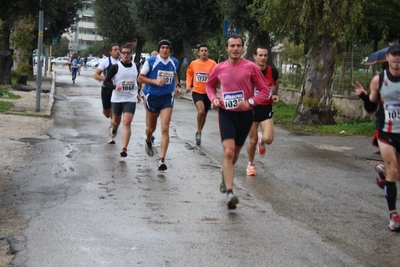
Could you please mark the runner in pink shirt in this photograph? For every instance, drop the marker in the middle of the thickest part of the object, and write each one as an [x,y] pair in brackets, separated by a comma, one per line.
[237,78]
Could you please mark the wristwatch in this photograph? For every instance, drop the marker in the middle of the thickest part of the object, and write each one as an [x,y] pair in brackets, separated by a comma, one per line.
[251,101]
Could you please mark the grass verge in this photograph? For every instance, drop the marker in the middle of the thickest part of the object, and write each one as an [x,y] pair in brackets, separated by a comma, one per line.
[285,114]
[6,94]
[4,106]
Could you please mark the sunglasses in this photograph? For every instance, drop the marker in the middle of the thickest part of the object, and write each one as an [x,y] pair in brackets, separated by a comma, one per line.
[126,53]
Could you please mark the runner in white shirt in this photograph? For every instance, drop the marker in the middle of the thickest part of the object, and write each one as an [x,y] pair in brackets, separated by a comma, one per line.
[121,80]
[100,75]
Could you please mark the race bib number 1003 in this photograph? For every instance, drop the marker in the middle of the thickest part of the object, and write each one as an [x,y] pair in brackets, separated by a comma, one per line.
[232,99]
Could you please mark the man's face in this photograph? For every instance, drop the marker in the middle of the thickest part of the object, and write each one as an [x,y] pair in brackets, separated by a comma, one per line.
[203,53]
[114,53]
[234,48]
[261,58]
[394,60]
[165,51]
[126,54]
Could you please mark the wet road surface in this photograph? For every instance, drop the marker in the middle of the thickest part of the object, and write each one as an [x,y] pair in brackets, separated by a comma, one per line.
[311,204]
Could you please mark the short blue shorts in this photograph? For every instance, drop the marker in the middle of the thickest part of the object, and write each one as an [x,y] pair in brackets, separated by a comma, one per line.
[156,103]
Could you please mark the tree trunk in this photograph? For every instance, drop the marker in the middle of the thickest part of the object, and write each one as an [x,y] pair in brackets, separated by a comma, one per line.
[20,57]
[178,53]
[5,38]
[6,62]
[315,101]
[140,41]
[188,51]
[258,38]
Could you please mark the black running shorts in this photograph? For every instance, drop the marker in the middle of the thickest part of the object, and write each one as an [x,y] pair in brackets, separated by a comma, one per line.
[390,139]
[262,113]
[123,107]
[106,97]
[235,125]
[202,97]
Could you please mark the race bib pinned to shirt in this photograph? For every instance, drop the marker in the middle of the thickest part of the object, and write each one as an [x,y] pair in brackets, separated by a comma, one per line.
[392,111]
[167,75]
[201,77]
[128,85]
[232,99]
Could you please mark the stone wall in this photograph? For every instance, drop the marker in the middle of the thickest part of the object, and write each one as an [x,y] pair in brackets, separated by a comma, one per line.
[348,106]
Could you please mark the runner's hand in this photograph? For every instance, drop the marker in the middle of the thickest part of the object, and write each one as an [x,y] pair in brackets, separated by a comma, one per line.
[216,103]
[359,89]
[160,82]
[275,98]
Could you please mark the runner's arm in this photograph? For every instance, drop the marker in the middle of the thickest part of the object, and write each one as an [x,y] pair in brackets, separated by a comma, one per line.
[108,84]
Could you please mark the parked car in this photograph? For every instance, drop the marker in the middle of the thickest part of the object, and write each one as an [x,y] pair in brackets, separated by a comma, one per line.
[60,61]
[94,63]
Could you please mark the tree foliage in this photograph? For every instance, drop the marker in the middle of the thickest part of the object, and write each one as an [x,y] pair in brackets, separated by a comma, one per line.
[241,13]
[379,25]
[115,20]
[320,24]
[60,14]
[186,23]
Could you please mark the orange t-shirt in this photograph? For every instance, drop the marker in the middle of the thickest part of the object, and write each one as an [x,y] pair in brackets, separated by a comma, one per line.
[197,74]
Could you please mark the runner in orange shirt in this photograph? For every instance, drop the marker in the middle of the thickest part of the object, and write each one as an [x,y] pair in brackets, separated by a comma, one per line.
[196,78]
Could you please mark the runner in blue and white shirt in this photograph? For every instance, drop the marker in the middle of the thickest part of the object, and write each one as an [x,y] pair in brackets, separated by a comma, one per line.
[159,73]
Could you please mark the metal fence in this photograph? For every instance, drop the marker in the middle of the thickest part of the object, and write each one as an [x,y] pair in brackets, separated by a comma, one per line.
[349,67]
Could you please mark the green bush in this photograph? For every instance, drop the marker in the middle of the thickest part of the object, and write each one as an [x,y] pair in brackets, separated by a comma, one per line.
[23,68]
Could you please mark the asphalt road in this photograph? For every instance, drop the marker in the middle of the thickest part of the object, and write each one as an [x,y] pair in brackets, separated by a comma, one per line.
[314,201]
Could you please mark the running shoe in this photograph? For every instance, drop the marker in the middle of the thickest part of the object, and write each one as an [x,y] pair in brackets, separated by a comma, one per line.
[261,146]
[148,148]
[123,152]
[113,130]
[111,140]
[161,165]
[251,169]
[222,187]
[394,222]
[198,138]
[381,178]
[232,201]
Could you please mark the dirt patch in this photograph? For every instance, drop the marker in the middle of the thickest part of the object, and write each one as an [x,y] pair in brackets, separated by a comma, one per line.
[15,129]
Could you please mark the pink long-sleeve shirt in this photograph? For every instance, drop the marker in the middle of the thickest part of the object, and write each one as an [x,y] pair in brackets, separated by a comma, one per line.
[237,83]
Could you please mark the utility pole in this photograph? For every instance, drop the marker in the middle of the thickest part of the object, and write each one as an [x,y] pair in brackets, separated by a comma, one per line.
[39,65]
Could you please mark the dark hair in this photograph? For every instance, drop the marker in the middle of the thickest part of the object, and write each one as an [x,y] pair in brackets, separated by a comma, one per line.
[127,46]
[202,45]
[112,45]
[260,47]
[233,37]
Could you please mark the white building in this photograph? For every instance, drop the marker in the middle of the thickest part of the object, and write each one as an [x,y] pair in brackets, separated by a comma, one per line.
[84,33]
